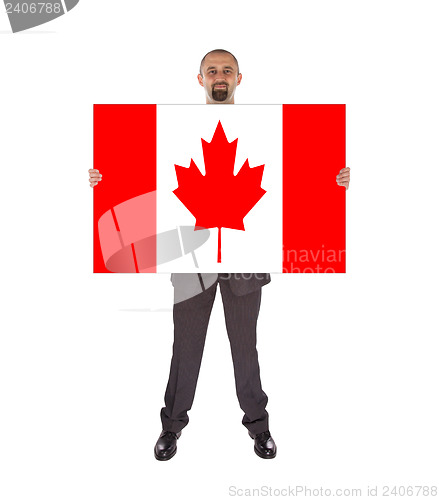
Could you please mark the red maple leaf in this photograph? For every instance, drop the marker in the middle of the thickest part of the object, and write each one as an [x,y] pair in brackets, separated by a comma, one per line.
[219,198]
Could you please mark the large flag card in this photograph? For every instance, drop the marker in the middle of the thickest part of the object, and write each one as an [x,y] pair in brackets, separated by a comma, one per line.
[238,188]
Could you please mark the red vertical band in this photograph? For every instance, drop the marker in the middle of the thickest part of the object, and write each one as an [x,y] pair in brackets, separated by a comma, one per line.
[314,212]
[125,154]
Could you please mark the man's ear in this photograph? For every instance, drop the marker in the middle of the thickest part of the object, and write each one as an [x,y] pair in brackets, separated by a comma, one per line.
[239,79]
[200,80]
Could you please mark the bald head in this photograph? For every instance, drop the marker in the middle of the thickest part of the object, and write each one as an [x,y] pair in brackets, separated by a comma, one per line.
[218,51]
[219,75]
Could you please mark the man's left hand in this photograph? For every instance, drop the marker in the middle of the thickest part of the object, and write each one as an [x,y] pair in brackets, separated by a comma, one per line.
[344,177]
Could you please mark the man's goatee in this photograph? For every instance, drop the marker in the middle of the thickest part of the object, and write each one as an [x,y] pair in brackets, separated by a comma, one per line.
[220,95]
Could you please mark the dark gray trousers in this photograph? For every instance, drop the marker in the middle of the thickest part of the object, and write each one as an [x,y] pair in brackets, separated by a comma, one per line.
[191,318]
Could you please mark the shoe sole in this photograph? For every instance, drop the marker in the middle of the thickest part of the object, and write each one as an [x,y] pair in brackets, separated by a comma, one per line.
[163,459]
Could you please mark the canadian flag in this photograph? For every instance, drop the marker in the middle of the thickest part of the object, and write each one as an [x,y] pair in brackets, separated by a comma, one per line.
[239,188]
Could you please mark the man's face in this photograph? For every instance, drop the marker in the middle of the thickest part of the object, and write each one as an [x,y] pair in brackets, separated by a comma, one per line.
[219,78]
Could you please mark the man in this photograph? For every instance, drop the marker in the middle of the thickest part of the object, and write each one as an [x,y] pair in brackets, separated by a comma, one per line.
[194,295]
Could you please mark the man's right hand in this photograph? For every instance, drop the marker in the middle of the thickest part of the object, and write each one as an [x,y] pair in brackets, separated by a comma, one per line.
[95,177]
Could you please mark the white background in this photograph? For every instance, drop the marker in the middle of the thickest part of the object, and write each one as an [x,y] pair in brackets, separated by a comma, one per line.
[259,133]
[349,362]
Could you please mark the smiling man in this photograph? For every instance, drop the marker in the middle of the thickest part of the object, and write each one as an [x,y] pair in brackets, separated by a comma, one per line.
[241,295]
[219,75]
[194,296]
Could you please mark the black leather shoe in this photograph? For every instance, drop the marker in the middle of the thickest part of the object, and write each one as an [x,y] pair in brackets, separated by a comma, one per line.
[166,446]
[265,447]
